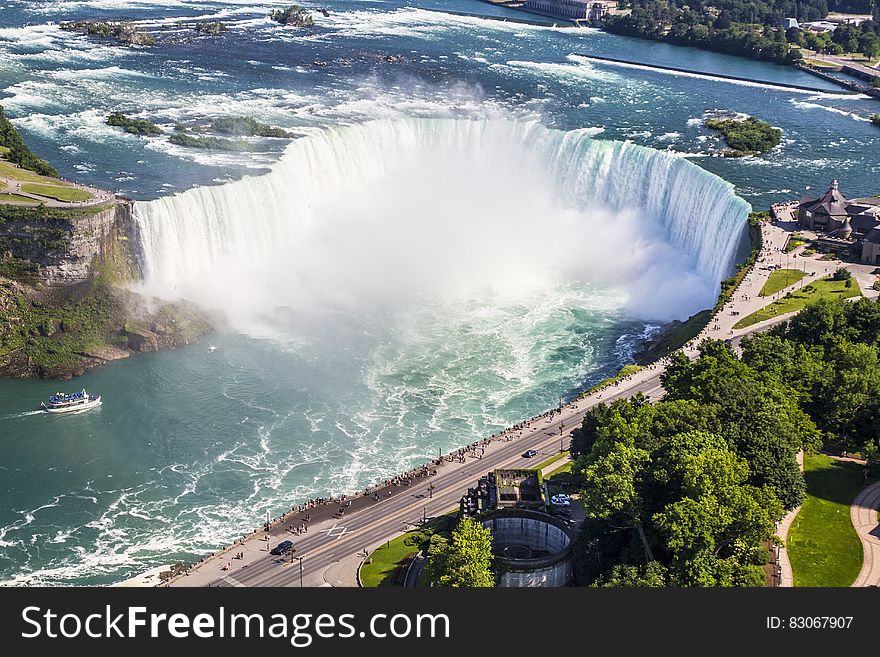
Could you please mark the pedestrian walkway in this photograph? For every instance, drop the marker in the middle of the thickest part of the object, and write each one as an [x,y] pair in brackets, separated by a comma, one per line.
[785,573]
[864,518]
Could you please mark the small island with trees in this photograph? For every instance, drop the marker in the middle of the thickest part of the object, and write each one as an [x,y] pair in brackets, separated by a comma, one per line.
[193,136]
[749,136]
[133,126]
[293,16]
[123,33]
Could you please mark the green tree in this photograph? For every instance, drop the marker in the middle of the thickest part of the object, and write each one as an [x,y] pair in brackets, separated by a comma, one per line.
[465,561]
[717,512]
[650,575]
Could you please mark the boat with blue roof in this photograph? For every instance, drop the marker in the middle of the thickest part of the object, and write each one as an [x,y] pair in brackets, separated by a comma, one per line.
[74,402]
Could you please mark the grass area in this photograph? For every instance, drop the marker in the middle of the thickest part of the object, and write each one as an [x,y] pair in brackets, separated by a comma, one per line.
[4,151]
[7,170]
[794,243]
[624,372]
[68,194]
[821,63]
[779,280]
[822,544]
[562,469]
[794,301]
[552,459]
[15,198]
[387,564]
[2,185]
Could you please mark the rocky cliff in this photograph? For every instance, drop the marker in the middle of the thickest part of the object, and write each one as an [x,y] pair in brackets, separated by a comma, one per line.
[67,292]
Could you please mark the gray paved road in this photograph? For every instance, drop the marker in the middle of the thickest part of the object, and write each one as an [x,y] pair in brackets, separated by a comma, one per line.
[320,548]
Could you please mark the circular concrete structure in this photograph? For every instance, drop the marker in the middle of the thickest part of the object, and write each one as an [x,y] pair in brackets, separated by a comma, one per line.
[534,549]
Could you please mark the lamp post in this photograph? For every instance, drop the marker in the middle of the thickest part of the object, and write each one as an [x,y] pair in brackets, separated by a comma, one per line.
[594,543]
[431,490]
[300,571]
[561,427]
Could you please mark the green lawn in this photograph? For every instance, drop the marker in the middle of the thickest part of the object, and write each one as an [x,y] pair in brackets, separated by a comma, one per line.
[822,544]
[388,567]
[794,301]
[69,194]
[779,280]
[387,564]
[562,469]
[552,459]
[15,198]
[2,185]
[793,243]
[7,170]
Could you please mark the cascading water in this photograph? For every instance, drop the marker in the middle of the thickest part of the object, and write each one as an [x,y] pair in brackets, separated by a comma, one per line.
[421,207]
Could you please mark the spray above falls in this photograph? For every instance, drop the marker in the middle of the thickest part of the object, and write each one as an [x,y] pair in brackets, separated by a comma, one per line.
[366,217]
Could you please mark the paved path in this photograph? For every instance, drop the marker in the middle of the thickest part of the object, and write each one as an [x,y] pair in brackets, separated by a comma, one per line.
[864,518]
[786,575]
[337,543]
[13,186]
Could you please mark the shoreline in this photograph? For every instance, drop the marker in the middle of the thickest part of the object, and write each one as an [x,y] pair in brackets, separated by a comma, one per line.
[325,510]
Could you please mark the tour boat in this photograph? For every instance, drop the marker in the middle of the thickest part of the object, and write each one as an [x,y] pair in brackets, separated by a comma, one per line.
[75,402]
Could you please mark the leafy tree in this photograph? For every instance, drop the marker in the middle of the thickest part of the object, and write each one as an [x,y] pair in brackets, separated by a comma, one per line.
[651,575]
[465,561]
[19,153]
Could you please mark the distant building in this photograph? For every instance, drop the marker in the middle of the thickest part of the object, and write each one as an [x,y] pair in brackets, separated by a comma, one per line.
[844,225]
[592,11]
[501,489]
[789,23]
[847,19]
[819,27]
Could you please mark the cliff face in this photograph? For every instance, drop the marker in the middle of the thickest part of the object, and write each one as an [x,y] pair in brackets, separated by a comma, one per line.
[65,244]
[66,298]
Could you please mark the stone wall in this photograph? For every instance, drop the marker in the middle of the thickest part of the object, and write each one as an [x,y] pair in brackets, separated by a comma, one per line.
[543,536]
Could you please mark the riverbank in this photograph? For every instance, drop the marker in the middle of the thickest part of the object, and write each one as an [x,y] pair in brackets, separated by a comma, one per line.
[343,529]
[703,74]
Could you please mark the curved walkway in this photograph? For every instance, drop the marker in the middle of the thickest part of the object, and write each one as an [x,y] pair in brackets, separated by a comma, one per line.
[13,186]
[864,518]
[785,573]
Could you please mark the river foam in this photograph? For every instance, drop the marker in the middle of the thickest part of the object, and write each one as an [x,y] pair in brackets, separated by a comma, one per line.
[389,212]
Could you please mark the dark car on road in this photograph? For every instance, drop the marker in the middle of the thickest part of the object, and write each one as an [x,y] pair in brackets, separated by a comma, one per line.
[529,453]
[282,548]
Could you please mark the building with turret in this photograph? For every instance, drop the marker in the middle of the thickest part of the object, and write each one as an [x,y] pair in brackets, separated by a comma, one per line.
[843,225]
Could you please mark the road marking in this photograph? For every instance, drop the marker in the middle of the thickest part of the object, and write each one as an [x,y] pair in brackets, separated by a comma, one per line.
[234,582]
[330,532]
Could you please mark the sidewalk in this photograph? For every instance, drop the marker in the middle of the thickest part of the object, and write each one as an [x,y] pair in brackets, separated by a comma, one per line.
[864,518]
[786,575]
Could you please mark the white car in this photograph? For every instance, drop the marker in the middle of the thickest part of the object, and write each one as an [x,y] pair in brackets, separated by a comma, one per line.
[560,500]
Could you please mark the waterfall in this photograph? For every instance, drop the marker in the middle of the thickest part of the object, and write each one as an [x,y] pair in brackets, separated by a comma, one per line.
[452,185]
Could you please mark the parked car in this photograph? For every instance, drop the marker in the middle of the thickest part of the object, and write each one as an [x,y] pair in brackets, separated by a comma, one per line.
[529,453]
[282,548]
[560,500]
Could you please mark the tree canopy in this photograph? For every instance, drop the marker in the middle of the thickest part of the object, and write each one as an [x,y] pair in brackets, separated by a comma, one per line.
[685,492]
[18,152]
[465,561]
